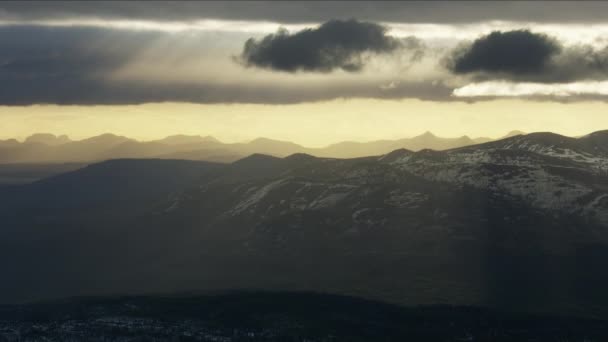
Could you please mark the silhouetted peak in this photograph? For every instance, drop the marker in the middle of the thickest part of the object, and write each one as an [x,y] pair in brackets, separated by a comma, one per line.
[428,151]
[106,138]
[399,152]
[255,166]
[427,134]
[300,157]
[261,140]
[544,136]
[396,154]
[47,138]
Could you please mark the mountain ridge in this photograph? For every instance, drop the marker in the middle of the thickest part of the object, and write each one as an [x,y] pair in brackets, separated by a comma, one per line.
[46,147]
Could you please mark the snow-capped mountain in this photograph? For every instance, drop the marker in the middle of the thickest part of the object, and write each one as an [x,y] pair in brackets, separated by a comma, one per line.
[546,170]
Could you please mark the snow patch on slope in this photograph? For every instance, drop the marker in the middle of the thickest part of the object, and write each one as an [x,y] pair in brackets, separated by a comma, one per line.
[257,194]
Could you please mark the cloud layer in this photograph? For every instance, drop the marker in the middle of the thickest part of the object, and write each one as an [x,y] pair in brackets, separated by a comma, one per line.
[314,11]
[110,65]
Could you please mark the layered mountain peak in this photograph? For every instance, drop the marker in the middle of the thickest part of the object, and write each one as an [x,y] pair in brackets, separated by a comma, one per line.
[547,136]
[48,139]
[465,139]
[273,147]
[46,147]
[107,138]
[300,157]
[427,134]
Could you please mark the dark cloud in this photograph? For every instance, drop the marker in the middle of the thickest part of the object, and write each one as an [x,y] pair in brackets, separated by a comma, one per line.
[335,44]
[525,56]
[314,11]
[512,52]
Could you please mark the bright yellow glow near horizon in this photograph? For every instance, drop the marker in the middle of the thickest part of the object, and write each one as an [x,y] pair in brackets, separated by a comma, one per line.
[310,124]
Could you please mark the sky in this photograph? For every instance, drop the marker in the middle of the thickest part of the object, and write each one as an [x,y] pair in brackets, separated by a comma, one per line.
[310,72]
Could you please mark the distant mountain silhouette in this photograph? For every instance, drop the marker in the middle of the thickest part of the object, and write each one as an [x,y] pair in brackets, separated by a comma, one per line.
[270,146]
[48,139]
[47,148]
[430,141]
[426,140]
[107,139]
[181,139]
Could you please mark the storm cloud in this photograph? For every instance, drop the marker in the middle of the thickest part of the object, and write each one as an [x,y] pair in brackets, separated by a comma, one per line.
[335,44]
[512,52]
[530,57]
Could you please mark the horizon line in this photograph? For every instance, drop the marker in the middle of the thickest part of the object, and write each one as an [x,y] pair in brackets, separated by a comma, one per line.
[247,141]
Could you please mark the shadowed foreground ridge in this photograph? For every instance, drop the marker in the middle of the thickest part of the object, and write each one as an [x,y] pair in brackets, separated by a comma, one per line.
[517,224]
[262,316]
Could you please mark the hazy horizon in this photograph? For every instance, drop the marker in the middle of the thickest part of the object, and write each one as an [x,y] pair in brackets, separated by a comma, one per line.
[23,139]
[347,120]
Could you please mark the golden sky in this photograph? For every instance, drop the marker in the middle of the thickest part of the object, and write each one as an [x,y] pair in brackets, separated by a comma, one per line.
[310,124]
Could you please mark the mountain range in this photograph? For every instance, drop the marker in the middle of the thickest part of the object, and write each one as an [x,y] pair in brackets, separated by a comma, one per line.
[518,224]
[48,148]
